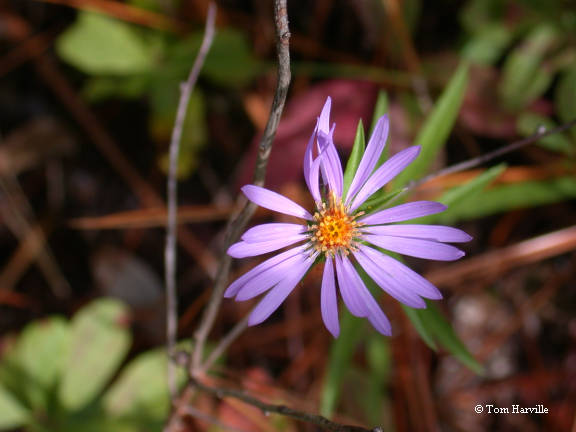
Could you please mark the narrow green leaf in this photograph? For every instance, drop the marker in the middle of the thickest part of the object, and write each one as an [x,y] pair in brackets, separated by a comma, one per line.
[524,78]
[99,342]
[460,199]
[12,414]
[518,195]
[355,156]
[437,328]
[564,98]
[420,326]
[380,109]
[341,353]
[96,44]
[378,357]
[437,127]
[488,43]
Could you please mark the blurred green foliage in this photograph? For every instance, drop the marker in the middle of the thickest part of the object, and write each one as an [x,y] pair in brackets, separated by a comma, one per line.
[67,376]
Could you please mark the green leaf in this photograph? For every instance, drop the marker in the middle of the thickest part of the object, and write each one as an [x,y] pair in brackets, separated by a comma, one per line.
[12,414]
[461,199]
[41,350]
[437,127]
[355,157]
[341,353]
[379,360]
[437,329]
[565,97]
[528,124]
[380,109]
[99,342]
[425,333]
[194,133]
[487,45]
[96,44]
[519,195]
[524,77]
[141,391]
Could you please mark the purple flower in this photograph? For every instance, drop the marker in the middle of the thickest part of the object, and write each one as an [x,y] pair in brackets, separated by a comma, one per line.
[343,237]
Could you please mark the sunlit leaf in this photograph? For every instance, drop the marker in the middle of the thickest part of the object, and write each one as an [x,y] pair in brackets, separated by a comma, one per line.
[437,127]
[141,391]
[97,44]
[487,45]
[98,343]
[12,414]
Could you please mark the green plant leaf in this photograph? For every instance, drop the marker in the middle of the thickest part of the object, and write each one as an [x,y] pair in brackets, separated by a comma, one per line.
[437,329]
[518,195]
[380,109]
[41,350]
[141,391]
[565,97]
[524,77]
[460,199]
[379,360]
[355,157]
[97,44]
[341,353]
[437,127]
[12,414]
[488,43]
[99,342]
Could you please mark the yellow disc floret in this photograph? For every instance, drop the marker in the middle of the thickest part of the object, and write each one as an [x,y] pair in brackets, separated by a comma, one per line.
[334,229]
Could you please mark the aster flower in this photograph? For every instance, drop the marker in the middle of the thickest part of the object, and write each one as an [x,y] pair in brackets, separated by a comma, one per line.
[343,237]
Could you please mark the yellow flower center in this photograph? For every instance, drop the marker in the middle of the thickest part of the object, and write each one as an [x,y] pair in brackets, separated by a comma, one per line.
[333,228]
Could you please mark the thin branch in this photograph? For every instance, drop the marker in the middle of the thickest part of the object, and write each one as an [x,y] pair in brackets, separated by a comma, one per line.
[224,343]
[236,226]
[317,420]
[472,163]
[172,195]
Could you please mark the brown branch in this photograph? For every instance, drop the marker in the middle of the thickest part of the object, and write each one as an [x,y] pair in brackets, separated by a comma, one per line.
[317,420]
[186,90]
[236,226]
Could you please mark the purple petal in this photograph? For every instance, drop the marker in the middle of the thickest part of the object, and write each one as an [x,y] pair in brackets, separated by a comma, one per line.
[324,119]
[272,231]
[391,168]
[278,294]
[331,165]
[244,249]
[266,280]
[274,201]
[328,300]
[371,155]
[348,287]
[385,279]
[426,232]
[265,266]
[403,212]
[308,160]
[406,277]
[368,305]
[417,248]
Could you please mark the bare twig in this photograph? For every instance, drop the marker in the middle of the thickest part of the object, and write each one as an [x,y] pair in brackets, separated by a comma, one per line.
[172,194]
[224,343]
[194,412]
[472,163]
[236,226]
[317,420]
